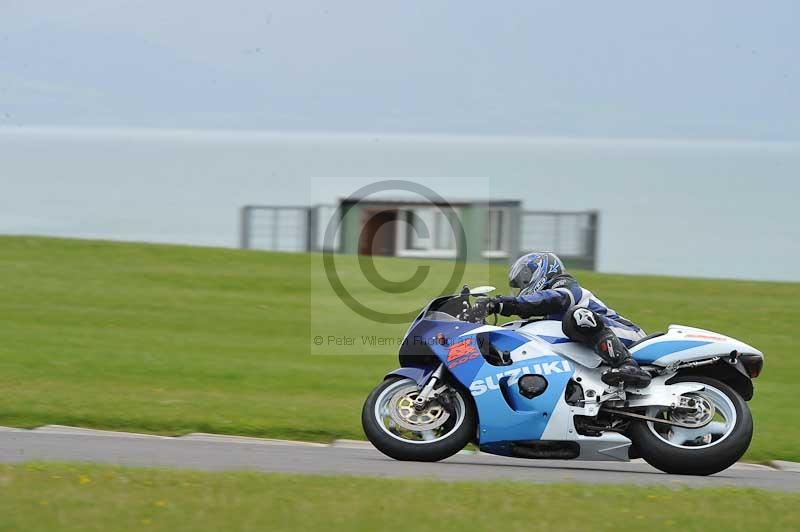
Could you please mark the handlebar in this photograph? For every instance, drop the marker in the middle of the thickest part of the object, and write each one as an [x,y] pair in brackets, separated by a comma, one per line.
[478,312]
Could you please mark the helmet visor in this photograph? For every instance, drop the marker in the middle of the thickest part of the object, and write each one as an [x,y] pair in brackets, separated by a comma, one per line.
[520,274]
[529,273]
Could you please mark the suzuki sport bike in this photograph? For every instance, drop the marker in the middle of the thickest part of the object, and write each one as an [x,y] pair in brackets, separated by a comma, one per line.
[525,390]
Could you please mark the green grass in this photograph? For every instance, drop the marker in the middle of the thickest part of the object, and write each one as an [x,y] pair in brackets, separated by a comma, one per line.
[171,339]
[84,497]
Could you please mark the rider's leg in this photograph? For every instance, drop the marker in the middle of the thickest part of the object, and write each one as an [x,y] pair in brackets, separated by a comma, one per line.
[587,327]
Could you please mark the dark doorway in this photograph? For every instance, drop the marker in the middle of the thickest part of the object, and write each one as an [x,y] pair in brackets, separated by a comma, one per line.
[378,236]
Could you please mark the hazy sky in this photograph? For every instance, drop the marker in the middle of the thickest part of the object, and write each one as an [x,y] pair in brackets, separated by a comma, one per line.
[711,69]
[553,103]
[694,208]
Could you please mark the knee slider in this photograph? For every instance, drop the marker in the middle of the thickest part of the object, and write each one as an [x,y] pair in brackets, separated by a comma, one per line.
[584,320]
[582,325]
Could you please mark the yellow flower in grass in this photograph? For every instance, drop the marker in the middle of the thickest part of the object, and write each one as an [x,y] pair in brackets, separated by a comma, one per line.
[160,504]
[84,479]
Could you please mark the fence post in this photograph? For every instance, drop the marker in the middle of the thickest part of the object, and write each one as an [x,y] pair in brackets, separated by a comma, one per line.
[244,227]
[558,217]
[515,240]
[594,221]
[312,220]
[276,220]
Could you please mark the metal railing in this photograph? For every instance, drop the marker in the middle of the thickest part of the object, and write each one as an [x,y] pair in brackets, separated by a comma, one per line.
[572,235]
[285,228]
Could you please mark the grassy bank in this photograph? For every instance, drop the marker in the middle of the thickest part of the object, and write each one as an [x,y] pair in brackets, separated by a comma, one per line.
[82,497]
[171,339]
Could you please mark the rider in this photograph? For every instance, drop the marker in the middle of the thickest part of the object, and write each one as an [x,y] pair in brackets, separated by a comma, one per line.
[546,289]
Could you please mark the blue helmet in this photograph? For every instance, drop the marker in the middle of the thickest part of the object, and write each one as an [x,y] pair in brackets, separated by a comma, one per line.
[532,272]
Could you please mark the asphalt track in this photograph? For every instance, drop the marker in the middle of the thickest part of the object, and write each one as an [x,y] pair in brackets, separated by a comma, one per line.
[216,453]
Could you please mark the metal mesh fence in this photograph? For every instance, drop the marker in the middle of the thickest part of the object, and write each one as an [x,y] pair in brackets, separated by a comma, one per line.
[572,235]
[274,228]
[322,216]
[287,228]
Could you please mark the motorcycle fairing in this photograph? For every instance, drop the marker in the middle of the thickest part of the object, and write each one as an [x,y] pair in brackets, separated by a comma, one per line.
[503,413]
[419,375]
[421,341]
[687,344]
[679,344]
[551,331]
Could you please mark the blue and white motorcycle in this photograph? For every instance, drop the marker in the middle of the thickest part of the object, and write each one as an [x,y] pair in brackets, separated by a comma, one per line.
[525,390]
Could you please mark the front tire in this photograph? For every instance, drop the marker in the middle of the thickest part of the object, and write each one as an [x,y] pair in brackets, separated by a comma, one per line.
[399,432]
[704,451]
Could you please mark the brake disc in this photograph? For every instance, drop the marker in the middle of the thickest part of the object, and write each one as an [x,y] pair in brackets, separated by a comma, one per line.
[403,413]
[695,410]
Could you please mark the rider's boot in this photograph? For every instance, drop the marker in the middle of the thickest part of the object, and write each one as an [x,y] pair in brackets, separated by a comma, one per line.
[624,369]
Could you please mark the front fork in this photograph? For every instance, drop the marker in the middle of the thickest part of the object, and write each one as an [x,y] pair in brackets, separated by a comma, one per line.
[430,391]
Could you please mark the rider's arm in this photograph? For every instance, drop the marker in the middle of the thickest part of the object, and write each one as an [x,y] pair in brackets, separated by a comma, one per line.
[541,303]
[566,293]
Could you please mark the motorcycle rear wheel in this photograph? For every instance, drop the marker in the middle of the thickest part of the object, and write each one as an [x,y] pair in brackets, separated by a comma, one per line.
[400,432]
[699,452]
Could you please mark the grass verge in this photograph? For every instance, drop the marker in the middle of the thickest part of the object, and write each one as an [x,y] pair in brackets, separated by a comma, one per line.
[173,339]
[67,497]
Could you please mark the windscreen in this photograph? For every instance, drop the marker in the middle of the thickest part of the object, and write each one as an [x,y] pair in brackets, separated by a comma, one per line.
[445,309]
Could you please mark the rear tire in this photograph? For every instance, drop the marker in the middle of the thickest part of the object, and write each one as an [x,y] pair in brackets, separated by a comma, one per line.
[457,432]
[704,459]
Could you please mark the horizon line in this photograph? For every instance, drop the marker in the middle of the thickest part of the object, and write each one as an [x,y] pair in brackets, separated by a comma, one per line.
[141,131]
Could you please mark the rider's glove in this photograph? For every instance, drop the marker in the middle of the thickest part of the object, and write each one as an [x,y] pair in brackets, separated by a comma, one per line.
[482,307]
[485,304]
[505,305]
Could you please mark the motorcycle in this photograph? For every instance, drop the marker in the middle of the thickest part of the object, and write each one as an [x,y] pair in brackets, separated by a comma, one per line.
[525,390]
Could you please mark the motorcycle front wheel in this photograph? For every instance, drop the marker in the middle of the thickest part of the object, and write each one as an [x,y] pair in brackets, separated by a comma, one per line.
[707,450]
[399,431]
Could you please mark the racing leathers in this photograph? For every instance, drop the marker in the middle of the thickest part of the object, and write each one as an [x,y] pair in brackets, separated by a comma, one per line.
[585,319]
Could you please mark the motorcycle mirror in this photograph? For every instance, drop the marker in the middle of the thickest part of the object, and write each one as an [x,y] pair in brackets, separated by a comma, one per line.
[482,290]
